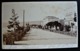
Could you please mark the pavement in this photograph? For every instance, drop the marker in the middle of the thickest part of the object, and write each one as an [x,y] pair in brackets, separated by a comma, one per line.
[44,37]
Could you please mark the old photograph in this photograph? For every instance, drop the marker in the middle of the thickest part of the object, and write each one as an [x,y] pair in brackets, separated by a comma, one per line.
[37,25]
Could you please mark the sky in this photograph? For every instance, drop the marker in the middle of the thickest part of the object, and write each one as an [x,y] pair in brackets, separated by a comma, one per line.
[36,11]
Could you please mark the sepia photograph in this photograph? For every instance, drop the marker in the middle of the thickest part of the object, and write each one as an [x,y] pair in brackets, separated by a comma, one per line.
[39,25]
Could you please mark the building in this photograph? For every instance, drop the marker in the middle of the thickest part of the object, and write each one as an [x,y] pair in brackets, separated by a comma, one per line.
[51,19]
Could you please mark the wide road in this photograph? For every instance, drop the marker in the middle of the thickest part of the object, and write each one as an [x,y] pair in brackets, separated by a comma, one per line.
[44,37]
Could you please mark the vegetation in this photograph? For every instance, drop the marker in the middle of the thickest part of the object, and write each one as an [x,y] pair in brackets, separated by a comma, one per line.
[17,33]
[13,23]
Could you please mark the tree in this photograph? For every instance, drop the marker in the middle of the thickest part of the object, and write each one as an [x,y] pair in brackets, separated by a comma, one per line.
[67,28]
[13,23]
[72,24]
[75,17]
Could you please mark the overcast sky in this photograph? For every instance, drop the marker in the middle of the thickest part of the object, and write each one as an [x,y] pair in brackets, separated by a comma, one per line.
[35,11]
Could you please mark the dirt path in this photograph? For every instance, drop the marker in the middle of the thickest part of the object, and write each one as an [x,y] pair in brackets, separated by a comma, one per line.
[43,37]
